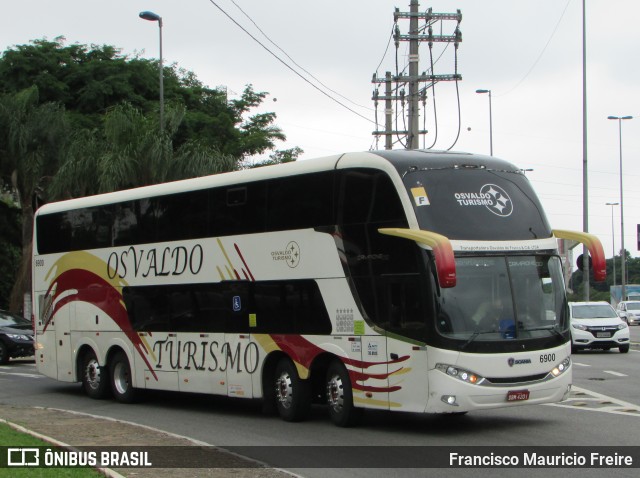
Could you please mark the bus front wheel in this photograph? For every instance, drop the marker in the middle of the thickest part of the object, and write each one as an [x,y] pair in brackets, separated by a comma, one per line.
[95,378]
[340,396]
[121,382]
[293,395]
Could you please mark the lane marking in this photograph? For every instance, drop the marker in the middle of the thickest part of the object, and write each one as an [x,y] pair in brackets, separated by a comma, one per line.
[617,374]
[583,399]
[581,364]
[29,375]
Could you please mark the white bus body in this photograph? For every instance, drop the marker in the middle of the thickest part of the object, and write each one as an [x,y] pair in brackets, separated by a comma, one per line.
[357,280]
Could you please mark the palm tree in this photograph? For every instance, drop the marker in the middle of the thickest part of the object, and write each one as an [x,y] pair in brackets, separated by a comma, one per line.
[131,151]
[32,137]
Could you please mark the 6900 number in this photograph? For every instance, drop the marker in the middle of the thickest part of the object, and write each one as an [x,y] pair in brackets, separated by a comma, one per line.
[544,358]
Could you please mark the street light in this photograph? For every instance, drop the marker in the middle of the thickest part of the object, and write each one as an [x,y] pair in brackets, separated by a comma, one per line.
[613,239]
[490,121]
[154,17]
[623,257]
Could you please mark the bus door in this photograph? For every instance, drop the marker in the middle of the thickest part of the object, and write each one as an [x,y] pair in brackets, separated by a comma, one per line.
[238,354]
[406,353]
[46,341]
[63,341]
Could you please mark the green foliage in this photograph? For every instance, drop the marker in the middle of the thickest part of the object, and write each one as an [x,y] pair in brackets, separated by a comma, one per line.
[601,290]
[279,157]
[10,235]
[89,80]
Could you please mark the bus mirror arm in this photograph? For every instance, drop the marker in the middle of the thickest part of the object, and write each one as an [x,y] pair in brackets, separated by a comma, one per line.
[439,244]
[595,250]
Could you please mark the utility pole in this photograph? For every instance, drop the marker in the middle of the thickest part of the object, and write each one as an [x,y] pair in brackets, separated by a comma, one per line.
[414,79]
[414,58]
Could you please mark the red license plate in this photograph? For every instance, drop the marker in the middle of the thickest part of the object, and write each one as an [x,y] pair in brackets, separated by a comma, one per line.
[517,395]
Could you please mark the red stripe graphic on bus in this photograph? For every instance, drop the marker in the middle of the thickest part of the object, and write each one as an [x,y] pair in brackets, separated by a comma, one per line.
[243,261]
[303,352]
[79,285]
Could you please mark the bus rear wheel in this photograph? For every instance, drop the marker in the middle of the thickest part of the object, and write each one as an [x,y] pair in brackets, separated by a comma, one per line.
[95,378]
[293,395]
[340,396]
[121,382]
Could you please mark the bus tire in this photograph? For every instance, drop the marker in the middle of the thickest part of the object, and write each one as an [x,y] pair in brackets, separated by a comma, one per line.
[95,378]
[121,382]
[292,394]
[340,396]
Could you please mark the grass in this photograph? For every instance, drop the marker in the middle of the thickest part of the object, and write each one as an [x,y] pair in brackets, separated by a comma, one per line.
[13,438]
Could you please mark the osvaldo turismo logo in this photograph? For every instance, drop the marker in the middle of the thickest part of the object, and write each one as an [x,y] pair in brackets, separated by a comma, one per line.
[493,197]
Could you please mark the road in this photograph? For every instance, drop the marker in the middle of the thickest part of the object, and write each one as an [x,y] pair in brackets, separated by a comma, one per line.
[604,409]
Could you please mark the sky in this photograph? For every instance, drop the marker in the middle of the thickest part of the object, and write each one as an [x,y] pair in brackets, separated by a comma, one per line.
[527,52]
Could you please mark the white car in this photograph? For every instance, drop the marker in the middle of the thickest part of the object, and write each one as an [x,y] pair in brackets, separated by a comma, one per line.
[596,325]
[629,311]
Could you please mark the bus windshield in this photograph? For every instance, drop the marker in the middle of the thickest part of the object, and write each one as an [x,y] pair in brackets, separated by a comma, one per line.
[500,298]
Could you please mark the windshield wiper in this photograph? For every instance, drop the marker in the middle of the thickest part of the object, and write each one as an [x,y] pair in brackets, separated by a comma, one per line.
[475,335]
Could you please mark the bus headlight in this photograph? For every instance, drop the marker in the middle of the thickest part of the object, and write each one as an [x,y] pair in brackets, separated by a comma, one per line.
[460,373]
[561,367]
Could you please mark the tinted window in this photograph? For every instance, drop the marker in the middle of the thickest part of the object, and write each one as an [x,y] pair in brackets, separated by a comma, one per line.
[182,216]
[237,210]
[134,223]
[300,202]
[234,306]
[476,204]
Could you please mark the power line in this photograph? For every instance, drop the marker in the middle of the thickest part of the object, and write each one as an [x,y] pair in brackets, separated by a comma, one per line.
[294,62]
[286,64]
[541,53]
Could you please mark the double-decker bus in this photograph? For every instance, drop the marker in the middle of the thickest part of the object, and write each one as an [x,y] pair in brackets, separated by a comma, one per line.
[416,281]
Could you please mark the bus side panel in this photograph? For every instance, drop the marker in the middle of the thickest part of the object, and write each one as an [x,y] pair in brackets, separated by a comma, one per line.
[45,341]
[408,378]
[372,390]
[158,369]
[62,320]
[200,364]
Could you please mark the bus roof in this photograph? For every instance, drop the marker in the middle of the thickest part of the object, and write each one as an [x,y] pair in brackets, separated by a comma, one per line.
[400,161]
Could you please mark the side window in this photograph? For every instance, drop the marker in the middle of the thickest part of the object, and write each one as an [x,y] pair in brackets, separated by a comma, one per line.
[368,196]
[299,202]
[283,307]
[289,307]
[182,216]
[237,209]
[134,223]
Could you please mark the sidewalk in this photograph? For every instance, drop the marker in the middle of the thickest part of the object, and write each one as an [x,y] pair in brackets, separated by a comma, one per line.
[61,427]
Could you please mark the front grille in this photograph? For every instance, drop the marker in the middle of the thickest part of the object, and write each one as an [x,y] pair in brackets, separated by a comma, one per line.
[508,380]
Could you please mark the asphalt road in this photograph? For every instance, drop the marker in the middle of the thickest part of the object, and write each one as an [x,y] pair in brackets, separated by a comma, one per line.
[604,410]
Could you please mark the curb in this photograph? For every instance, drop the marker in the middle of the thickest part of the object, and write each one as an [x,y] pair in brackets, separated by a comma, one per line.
[105,471]
[63,420]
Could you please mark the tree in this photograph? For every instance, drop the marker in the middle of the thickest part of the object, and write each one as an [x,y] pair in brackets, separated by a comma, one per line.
[32,136]
[10,245]
[280,157]
[131,151]
[89,80]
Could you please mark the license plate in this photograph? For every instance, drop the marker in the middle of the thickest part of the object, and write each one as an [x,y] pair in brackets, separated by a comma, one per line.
[603,335]
[517,395]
